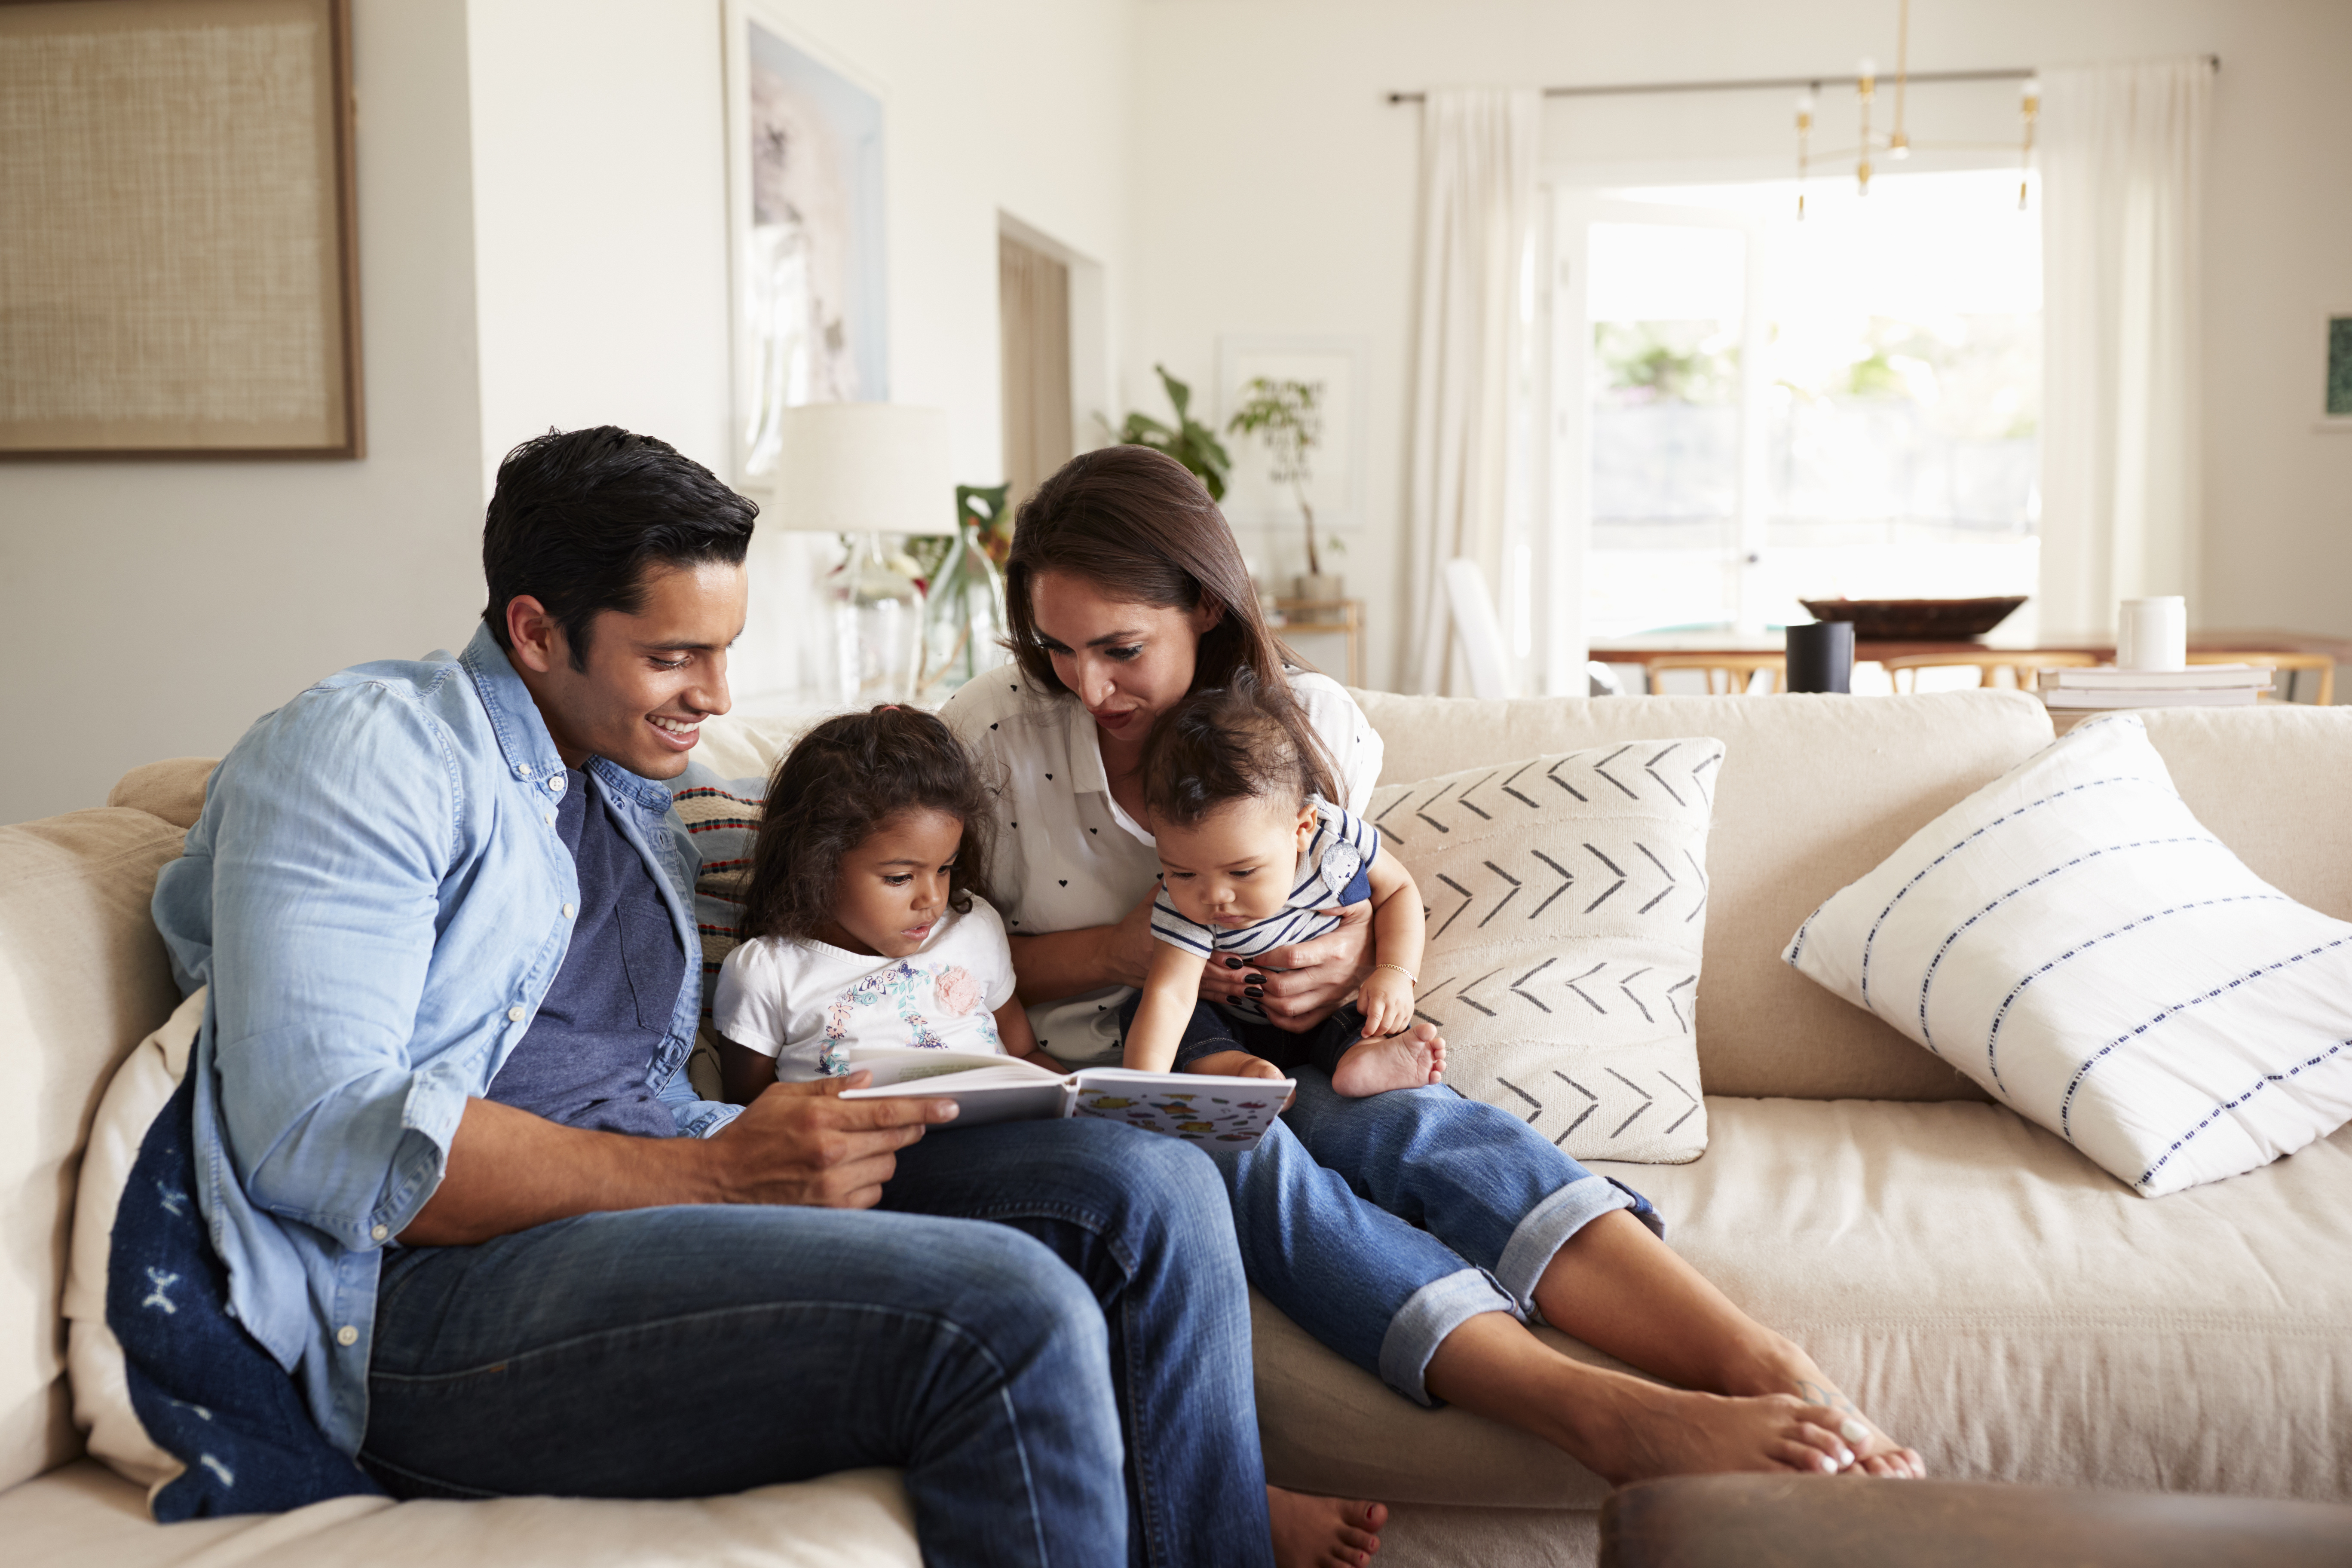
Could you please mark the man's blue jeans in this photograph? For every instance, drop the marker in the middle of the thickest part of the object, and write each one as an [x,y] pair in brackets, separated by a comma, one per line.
[699,1351]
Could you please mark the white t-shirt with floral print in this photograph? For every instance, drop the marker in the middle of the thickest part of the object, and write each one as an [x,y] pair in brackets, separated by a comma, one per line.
[1067,856]
[808,1003]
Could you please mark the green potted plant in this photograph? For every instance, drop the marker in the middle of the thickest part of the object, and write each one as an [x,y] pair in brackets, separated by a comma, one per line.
[1188,441]
[1288,417]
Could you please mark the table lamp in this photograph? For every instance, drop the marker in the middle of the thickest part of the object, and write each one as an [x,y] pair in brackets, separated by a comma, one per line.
[864,470]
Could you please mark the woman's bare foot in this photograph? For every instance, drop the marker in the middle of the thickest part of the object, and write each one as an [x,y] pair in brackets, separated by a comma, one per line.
[1876,1453]
[1311,1531]
[1411,1060]
[1647,1430]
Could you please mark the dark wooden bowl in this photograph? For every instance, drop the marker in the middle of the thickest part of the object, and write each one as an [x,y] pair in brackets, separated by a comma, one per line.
[1915,620]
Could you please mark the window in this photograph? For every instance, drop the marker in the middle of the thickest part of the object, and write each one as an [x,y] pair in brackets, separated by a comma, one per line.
[1770,409]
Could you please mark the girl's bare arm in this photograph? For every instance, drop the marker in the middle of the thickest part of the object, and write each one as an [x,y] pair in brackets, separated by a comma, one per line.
[1019,1039]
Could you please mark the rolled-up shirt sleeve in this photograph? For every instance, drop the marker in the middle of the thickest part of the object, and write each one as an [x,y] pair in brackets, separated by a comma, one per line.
[328,856]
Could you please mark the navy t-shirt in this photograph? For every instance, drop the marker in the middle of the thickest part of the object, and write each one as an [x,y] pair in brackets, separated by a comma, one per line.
[583,1059]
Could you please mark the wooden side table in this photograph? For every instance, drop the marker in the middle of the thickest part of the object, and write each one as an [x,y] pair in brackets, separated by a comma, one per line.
[1340,617]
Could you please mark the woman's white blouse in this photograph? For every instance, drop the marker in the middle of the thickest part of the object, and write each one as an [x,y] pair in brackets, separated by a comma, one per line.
[1067,856]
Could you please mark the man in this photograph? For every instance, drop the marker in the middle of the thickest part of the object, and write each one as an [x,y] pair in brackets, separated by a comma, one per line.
[447,1148]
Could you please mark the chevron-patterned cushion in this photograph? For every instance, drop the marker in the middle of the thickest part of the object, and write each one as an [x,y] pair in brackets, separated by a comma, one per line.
[1567,899]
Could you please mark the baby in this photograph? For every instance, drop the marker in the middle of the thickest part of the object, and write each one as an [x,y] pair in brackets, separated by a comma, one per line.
[1253,856]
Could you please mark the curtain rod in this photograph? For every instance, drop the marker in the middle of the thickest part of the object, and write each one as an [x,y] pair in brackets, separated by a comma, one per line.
[1770,84]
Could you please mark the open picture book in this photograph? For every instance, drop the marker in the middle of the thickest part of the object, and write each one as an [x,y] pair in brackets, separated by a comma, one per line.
[1219,1113]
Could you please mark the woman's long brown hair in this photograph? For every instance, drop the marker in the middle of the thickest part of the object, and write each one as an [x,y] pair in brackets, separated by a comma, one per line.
[1138,525]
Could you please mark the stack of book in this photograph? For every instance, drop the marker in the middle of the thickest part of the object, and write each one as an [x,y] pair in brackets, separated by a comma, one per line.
[2198,686]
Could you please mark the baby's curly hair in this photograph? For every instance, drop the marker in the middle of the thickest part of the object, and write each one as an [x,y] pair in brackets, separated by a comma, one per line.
[1232,742]
[843,780]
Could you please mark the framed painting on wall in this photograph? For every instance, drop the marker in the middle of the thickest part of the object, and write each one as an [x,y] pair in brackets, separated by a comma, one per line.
[810,256]
[178,230]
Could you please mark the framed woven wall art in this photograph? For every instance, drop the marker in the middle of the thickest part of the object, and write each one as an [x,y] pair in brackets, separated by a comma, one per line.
[178,245]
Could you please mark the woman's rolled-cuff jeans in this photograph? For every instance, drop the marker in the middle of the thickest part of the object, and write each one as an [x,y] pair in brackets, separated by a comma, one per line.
[1380,1224]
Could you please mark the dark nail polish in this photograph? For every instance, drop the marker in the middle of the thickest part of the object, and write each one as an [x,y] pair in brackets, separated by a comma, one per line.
[1256,990]
[1232,963]
[1253,979]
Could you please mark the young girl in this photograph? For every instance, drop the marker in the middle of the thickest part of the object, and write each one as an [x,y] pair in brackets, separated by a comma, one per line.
[864,923]
[1252,855]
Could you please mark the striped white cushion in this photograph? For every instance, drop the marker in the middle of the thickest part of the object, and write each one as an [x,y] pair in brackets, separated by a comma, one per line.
[2074,939]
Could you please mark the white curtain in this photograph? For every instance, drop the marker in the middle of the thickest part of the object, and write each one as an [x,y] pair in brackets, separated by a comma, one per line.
[2122,163]
[1479,153]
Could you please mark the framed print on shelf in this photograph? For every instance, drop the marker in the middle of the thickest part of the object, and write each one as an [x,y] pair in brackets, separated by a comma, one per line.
[810,258]
[178,231]
[1335,367]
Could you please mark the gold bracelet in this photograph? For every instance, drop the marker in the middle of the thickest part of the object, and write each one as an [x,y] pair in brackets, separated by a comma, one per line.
[1401,969]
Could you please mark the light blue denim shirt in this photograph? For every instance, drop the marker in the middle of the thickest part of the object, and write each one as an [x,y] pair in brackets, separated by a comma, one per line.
[377,896]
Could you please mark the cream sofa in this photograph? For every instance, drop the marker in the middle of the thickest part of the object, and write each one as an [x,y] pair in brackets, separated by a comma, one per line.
[1988,1295]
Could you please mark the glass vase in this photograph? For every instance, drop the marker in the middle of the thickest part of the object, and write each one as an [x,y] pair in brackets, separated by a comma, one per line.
[964,617]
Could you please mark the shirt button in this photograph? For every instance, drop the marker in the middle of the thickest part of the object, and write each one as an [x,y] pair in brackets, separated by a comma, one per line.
[550,817]
[567,911]
[555,783]
[347,1336]
[514,1014]
[379,1232]
[523,768]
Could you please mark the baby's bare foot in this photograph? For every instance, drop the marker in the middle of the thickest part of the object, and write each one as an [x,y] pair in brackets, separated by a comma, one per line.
[1659,1431]
[1312,1532]
[1410,1061]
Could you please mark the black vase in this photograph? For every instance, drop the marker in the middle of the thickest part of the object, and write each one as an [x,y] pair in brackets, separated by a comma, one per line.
[1820,656]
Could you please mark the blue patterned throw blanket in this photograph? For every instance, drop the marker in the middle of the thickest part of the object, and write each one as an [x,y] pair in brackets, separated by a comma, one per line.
[203,1388]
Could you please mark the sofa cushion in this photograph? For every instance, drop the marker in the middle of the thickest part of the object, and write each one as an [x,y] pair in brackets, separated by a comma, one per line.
[1986,1295]
[1815,791]
[84,1515]
[173,789]
[82,977]
[1567,906]
[2074,940]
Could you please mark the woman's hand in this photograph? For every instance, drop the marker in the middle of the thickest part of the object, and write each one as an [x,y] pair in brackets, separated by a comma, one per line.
[1304,984]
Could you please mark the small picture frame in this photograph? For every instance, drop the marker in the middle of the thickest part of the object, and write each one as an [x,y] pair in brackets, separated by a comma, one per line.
[2336,395]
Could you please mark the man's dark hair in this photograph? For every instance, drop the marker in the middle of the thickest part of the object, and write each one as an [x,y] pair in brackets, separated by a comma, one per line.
[580,516]
[839,782]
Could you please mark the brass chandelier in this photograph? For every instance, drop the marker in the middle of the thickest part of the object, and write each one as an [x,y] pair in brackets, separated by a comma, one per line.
[1896,142]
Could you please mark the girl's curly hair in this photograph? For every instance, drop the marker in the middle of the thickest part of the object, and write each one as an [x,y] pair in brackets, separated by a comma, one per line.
[843,780]
[1232,742]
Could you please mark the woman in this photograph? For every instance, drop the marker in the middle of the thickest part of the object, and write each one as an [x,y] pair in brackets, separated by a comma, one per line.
[1125,592]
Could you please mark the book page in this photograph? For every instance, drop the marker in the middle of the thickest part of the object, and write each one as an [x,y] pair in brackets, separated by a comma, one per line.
[906,1064]
[1221,1114]
[986,1087]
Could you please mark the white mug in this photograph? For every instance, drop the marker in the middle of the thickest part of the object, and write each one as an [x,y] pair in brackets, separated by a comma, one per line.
[2153,634]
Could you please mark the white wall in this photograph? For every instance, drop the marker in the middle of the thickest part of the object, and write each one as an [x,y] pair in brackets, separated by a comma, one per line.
[600,221]
[1278,195]
[543,241]
[153,609]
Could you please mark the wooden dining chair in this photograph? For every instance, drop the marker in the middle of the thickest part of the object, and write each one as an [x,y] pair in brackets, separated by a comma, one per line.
[1727,674]
[2287,664]
[1988,663]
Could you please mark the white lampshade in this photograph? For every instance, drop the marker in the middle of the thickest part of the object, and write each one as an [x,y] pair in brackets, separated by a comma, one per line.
[864,468]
